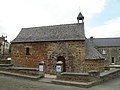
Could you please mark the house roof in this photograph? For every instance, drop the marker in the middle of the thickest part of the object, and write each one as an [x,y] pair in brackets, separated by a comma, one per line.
[91,52]
[104,42]
[51,33]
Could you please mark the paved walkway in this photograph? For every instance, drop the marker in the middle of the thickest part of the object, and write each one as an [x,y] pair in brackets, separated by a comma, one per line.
[11,83]
[50,76]
[50,79]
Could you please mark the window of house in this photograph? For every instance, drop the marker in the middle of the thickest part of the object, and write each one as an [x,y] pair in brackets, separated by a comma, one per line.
[113,60]
[119,51]
[103,51]
[27,51]
[6,45]
[119,58]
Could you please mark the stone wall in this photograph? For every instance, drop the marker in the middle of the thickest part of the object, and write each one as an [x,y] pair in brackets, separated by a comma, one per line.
[94,65]
[5,61]
[91,76]
[26,71]
[72,51]
[111,74]
[37,54]
[94,77]
[109,53]
[77,77]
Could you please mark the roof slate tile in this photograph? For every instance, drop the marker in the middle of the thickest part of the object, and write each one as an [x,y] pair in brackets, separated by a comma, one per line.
[52,33]
[106,42]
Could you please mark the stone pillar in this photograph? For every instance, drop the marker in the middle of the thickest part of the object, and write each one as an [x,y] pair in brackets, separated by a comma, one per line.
[59,67]
[41,68]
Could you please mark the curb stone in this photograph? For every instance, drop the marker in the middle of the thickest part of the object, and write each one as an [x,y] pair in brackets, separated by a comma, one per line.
[21,75]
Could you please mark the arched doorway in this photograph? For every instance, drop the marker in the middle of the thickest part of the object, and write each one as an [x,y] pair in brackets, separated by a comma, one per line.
[61,58]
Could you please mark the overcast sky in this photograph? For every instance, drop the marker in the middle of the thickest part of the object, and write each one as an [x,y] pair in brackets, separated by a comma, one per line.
[102,17]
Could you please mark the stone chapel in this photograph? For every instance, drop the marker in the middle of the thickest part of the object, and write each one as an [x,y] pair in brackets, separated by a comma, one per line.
[49,44]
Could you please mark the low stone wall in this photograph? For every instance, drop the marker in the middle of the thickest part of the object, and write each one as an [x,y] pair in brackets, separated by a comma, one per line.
[5,61]
[4,56]
[79,77]
[92,76]
[111,74]
[22,70]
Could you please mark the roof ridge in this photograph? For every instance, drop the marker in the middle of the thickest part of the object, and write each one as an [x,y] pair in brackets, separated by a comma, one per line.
[53,25]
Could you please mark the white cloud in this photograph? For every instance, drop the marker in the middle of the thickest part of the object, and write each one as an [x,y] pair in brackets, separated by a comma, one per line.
[16,14]
[110,29]
[93,7]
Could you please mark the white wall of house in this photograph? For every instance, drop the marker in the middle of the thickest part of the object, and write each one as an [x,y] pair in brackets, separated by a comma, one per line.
[4,47]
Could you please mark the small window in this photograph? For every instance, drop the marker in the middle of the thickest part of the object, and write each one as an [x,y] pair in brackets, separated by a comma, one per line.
[119,51]
[27,51]
[103,52]
[113,60]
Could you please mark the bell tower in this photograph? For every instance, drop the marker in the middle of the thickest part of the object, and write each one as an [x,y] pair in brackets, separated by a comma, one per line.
[80,17]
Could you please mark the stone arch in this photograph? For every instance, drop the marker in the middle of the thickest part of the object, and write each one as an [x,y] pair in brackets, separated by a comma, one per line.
[59,52]
[54,58]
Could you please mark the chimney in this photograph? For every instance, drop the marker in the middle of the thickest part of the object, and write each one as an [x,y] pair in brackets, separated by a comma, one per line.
[91,40]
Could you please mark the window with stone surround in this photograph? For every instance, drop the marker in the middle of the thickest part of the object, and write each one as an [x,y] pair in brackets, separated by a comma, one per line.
[27,51]
[103,51]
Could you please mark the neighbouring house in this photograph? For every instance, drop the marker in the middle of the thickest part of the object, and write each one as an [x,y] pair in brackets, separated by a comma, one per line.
[50,44]
[4,46]
[109,48]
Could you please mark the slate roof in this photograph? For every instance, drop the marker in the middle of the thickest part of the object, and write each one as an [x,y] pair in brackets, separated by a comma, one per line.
[91,52]
[106,42]
[51,33]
